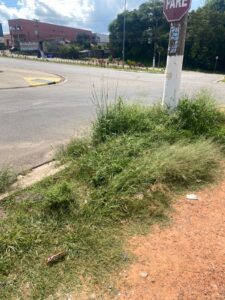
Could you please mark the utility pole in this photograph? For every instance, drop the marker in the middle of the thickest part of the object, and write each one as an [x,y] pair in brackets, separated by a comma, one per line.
[217,57]
[124,31]
[176,13]
[153,60]
[174,63]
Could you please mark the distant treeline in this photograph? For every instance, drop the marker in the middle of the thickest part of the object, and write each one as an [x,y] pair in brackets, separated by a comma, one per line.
[147,33]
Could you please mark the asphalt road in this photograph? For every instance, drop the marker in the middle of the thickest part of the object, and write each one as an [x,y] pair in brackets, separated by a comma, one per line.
[35,121]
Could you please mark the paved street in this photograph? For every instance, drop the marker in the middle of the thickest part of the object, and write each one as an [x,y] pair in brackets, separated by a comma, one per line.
[17,78]
[34,121]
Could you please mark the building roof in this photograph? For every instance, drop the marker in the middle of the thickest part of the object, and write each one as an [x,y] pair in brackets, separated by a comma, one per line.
[46,23]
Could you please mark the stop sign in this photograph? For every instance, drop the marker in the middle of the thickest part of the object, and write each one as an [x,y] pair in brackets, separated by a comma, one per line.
[174,10]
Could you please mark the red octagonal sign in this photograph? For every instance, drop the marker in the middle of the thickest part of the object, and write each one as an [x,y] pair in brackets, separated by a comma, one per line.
[174,10]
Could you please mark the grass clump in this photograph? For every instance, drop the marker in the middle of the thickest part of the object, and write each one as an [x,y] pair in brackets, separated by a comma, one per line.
[120,118]
[199,115]
[7,177]
[194,117]
[124,178]
[179,165]
[60,198]
[74,149]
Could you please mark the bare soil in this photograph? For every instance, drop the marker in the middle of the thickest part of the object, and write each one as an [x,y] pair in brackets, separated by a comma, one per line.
[183,261]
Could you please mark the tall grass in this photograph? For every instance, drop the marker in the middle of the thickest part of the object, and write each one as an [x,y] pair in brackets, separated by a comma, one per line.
[199,115]
[125,176]
[120,118]
[7,177]
[194,117]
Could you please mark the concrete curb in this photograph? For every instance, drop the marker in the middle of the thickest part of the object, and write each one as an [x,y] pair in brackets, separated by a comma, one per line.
[53,82]
[62,79]
[43,170]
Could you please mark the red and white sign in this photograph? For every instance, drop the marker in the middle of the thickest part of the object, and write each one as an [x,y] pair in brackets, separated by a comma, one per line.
[175,10]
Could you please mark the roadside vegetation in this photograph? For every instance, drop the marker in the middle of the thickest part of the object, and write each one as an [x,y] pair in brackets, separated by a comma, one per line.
[118,182]
[92,62]
[7,177]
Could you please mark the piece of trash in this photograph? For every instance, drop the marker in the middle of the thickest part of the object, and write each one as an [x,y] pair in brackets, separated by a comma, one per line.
[56,258]
[143,274]
[192,197]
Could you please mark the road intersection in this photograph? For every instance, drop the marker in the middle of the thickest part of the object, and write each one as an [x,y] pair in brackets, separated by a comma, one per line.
[35,121]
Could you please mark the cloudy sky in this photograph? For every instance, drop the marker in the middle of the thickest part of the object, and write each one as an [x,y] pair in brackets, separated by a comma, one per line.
[91,14]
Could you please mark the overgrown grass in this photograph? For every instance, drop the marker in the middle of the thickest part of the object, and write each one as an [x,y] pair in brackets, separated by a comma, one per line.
[7,177]
[124,177]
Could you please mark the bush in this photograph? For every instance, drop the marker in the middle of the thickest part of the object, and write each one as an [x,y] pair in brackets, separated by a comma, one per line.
[200,115]
[68,52]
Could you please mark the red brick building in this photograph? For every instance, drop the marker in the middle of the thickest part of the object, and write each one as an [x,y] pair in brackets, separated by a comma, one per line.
[22,30]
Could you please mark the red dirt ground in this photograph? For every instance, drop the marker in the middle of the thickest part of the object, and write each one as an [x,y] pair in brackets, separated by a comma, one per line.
[186,260]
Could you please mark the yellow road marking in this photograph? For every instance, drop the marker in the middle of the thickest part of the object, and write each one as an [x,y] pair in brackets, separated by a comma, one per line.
[37,81]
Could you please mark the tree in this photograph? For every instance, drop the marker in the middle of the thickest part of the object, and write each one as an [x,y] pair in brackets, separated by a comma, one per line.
[68,52]
[206,37]
[83,40]
[147,32]
[216,5]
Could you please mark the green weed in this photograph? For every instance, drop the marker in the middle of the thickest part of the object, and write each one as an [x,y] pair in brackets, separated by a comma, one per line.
[200,115]
[120,118]
[74,149]
[7,177]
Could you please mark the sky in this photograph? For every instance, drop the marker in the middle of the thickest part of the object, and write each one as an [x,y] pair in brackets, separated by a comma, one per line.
[95,15]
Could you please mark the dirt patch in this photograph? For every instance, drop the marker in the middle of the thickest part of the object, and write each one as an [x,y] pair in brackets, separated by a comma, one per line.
[184,261]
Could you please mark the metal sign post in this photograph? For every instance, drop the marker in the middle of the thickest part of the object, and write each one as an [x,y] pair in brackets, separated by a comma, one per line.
[176,13]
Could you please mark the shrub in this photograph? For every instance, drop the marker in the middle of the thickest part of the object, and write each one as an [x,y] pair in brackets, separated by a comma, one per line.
[200,115]
[218,135]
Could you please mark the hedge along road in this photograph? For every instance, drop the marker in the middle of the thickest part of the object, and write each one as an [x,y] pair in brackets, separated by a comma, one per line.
[34,121]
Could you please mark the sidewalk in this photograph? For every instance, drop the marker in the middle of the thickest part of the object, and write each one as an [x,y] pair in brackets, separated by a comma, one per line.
[21,78]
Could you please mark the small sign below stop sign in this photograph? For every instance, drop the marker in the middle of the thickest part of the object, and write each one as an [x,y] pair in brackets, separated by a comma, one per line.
[175,10]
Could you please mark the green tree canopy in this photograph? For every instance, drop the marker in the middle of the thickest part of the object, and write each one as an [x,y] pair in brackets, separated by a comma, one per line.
[216,5]
[206,37]
[147,34]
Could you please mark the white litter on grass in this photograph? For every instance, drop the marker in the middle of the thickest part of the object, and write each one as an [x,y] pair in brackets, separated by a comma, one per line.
[192,197]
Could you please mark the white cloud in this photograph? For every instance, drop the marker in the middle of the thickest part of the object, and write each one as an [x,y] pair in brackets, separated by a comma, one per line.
[91,14]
